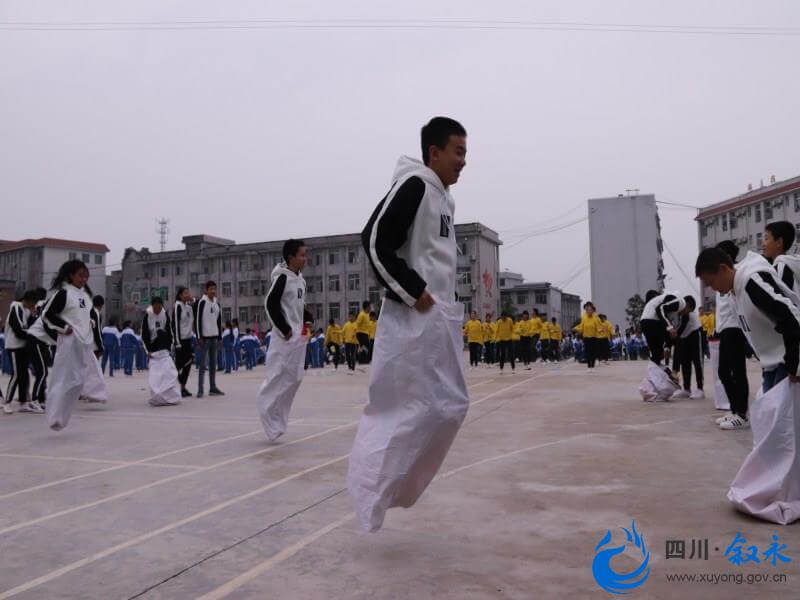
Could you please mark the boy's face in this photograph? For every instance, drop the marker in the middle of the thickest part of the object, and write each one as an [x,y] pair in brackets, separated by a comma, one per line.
[211,291]
[298,261]
[185,296]
[721,281]
[157,307]
[771,247]
[447,163]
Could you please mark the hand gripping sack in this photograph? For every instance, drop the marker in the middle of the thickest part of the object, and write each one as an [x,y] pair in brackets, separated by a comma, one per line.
[417,401]
[656,386]
[721,401]
[66,380]
[163,380]
[767,485]
[284,374]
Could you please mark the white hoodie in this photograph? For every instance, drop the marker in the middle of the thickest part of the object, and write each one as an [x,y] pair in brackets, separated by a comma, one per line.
[665,308]
[410,238]
[726,317]
[788,268]
[768,317]
[285,301]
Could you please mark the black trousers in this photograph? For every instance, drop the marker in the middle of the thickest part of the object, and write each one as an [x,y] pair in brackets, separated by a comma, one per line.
[655,332]
[534,351]
[475,353]
[690,351]
[732,369]
[555,354]
[525,349]
[489,346]
[20,377]
[350,354]
[184,356]
[590,350]
[363,341]
[40,360]
[506,352]
[334,349]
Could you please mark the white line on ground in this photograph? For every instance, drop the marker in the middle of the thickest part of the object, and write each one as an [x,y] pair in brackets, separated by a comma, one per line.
[125,463]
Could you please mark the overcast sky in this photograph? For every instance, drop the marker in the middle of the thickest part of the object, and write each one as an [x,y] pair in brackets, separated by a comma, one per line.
[259,134]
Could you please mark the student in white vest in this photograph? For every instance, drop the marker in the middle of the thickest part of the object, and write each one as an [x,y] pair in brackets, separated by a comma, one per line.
[208,327]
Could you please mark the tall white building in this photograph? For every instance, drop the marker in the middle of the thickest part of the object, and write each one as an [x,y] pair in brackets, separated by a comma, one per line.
[625,252]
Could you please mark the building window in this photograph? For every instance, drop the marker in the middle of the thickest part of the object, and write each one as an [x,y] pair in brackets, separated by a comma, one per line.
[758,240]
[732,222]
[314,285]
[317,312]
[724,222]
[226,265]
[98,259]
[467,301]
[464,275]
[226,314]
[797,232]
[352,256]
[194,278]
[242,264]
[318,259]
[264,288]
[333,311]
[502,282]
[353,308]
[797,202]
[758,213]
[333,283]
[85,257]
[255,286]
[244,317]
[462,248]
[178,270]
[767,211]
[73,256]
[353,282]
[226,289]
[333,258]
[143,293]
[522,298]
[115,304]
[541,298]
[375,295]
[163,271]
[242,288]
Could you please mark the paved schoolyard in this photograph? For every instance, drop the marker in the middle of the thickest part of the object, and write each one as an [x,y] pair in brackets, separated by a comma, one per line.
[192,502]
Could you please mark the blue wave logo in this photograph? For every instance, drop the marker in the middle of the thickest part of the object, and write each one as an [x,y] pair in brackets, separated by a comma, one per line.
[620,583]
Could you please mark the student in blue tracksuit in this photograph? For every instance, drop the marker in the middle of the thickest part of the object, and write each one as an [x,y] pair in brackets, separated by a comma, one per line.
[141,354]
[128,345]
[227,346]
[250,345]
[237,344]
[110,348]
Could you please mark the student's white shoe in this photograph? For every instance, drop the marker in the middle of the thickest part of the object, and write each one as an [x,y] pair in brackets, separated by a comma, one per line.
[39,408]
[725,417]
[681,394]
[29,408]
[735,422]
[8,408]
[697,395]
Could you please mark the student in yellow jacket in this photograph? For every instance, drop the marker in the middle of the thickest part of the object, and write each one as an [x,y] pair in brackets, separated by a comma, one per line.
[489,338]
[544,339]
[505,333]
[473,330]
[334,338]
[373,329]
[362,331]
[525,339]
[590,328]
[555,339]
[350,342]
[605,333]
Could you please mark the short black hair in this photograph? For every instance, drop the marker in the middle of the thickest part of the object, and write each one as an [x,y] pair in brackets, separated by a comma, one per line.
[372,313]
[437,133]
[783,230]
[525,312]
[156,300]
[710,260]
[504,314]
[41,293]
[30,296]
[290,248]
[98,300]
[331,321]
[690,302]
[585,304]
[365,304]
[650,295]
[730,248]
[180,291]
[210,283]
[126,324]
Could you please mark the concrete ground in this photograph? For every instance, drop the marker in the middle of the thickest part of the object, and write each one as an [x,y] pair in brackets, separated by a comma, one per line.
[192,502]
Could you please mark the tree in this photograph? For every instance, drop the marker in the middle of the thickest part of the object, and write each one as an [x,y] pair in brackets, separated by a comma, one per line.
[508,306]
[634,310]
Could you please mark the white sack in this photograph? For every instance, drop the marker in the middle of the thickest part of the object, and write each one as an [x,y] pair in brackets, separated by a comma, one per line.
[656,385]
[721,401]
[163,380]
[94,387]
[417,401]
[767,485]
[284,374]
[65,382]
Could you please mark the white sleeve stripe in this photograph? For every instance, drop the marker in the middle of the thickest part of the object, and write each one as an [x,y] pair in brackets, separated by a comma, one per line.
[373,252]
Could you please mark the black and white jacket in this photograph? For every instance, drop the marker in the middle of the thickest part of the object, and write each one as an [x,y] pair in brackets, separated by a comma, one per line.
[16,326]
[410,239]
[664,308]
[70,306]
[97,326]
[788,268]
[208,319]
[768,317]
[285,302]
[182,319]
[156,332]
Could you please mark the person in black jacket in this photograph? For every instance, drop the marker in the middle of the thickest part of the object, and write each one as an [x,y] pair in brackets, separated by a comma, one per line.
[156,332]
